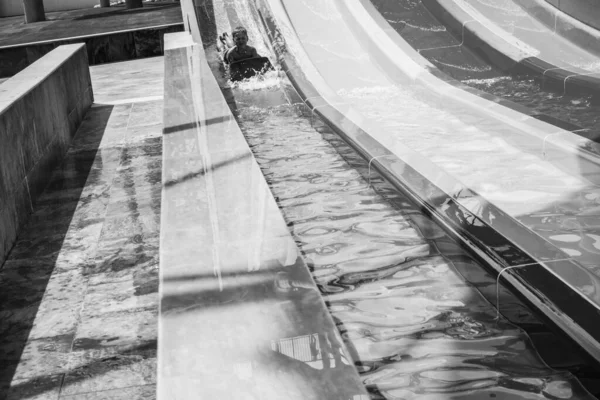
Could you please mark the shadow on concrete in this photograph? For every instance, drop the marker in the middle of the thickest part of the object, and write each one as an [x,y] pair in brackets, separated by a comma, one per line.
[303,345]
[192,175]
[193,125]
[30,264]
[319,364]
[32,388]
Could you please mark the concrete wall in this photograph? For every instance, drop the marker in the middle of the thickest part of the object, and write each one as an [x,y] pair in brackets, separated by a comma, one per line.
[100,48]
[586,11]
[194,12]
[10,8]
[40,110]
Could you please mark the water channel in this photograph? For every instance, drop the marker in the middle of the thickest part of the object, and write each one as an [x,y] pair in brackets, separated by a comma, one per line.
[416,312]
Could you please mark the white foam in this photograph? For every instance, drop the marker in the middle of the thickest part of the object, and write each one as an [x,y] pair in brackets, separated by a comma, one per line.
[259,82]
[488,81]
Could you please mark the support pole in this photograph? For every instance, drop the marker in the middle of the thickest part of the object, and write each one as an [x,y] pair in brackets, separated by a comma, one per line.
[133,4]
[104,3]
[34,11]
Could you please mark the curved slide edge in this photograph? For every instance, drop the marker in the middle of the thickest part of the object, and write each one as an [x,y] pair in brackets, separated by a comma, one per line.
[563,148]
[586,11]
[562,24]
[510,54]
[405,54]
[438,193]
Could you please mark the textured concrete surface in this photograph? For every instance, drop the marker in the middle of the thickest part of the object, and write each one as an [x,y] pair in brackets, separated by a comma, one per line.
[39,116]
[111,34]
[10,8]
[79,290]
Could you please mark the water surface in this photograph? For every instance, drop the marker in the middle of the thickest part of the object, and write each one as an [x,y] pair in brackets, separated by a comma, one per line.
[393,280]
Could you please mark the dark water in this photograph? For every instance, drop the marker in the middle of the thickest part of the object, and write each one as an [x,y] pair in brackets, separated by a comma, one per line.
[413,308]
[580,111]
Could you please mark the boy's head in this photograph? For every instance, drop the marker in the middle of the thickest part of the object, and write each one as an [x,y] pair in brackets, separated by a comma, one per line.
[240,36]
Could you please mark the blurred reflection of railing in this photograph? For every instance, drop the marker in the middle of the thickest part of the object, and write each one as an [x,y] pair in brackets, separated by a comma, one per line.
[303,348]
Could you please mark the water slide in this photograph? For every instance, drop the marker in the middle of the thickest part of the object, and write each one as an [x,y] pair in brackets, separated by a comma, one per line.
[523,192]
[530,36]
[358,89]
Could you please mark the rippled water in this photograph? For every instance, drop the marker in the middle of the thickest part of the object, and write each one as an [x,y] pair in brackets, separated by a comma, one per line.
[393,281]
[581,111]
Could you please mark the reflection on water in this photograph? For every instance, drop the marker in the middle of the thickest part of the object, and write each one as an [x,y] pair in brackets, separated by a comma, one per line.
[392,279]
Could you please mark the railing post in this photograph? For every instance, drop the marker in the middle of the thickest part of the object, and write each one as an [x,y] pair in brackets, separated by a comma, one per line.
[133,4]
[34,11]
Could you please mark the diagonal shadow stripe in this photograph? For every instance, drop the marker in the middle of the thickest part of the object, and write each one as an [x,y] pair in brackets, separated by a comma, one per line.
[192,125]
[202,172]
[75,173]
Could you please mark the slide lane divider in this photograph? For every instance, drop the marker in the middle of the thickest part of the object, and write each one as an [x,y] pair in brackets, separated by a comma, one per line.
[240,314]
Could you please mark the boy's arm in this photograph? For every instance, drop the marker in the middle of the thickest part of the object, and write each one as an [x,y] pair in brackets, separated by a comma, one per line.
[254,53]
[226,56]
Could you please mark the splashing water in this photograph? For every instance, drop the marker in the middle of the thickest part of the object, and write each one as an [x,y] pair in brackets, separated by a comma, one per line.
[486,82]
[267,80]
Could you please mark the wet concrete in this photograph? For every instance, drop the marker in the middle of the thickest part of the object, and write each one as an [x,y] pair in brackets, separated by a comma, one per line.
[79,290]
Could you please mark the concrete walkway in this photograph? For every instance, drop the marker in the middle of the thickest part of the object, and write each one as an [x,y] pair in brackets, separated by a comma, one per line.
[78,293]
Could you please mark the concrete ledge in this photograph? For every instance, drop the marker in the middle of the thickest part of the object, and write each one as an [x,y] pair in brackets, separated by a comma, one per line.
[546,277]
[511,54]
[116,46]
[240,316]
[40,111]
[10,8]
